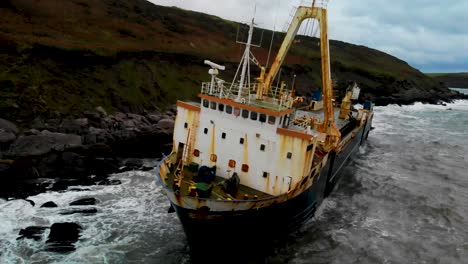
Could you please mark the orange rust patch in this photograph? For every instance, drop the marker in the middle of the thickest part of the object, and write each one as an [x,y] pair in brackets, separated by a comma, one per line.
[292,133]
[244,106]
[188,106]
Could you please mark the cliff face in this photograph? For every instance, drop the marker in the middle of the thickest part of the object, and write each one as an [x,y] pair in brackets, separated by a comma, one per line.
[67,57]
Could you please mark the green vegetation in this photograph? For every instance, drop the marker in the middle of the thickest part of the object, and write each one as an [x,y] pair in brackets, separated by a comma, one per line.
[135,56]
[456,80]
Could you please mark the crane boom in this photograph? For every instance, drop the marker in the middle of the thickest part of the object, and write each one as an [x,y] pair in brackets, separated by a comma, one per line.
[303,13]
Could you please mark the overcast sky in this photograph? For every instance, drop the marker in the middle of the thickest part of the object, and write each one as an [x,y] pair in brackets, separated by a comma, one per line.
[431,35]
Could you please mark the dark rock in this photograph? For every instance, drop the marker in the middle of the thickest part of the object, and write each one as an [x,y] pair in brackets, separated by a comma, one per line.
[32,232]
[108,182]
[166,123]
[133,163]
[31,202]
[104,166]
[49,204]
[101,111]
[4,168]
[8,131]
[153,118]
[6,137]
[42,144]
[85,201]
[77,126]
[62,237]
[80,211]
[8,126]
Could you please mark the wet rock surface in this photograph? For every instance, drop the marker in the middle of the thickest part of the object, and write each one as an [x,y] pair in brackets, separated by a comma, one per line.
[62,237]
[32,232]
[84,201]
[95,144]
[49,204]
[89,211]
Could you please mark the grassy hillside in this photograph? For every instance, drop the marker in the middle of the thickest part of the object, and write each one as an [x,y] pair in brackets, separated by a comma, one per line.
[456,80]
[67,57]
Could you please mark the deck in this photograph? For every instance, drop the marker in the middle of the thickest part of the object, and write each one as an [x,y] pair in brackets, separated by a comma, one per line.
[185,185]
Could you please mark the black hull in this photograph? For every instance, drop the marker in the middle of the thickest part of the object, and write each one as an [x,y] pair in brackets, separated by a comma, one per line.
[234,235]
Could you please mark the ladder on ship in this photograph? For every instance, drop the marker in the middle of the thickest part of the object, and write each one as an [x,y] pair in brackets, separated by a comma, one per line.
[189,144]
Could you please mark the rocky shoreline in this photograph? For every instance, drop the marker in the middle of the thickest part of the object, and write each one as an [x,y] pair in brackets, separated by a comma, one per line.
[97,144]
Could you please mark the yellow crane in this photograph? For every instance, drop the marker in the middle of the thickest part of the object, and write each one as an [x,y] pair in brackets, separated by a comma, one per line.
[302,13]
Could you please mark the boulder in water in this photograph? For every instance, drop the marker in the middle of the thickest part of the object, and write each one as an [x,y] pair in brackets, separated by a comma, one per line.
[32,232]
[62,237]
[85,201]
[49,204]
[80,211]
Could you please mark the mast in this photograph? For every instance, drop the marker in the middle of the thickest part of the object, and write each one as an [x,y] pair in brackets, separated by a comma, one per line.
[246,63]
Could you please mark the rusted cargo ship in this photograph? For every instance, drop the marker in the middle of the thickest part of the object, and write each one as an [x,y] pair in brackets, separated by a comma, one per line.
[252,161]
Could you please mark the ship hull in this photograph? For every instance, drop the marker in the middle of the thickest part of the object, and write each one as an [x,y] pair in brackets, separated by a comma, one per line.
[214,234]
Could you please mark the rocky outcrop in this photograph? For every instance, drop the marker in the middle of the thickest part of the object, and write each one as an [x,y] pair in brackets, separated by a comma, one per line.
[43,143]
[94,144]
[8,133]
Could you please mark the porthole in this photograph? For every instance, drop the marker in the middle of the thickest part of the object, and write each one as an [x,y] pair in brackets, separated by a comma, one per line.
[223,135]
[232,163]
[241,141]
[289,155]
[245,168]
[213,158]
[205,131]
[262,147]
[196,153]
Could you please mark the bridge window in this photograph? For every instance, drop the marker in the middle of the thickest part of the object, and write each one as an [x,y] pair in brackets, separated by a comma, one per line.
[271,120]
[228,109]
[213,105]
[221,107]
[262,118]
[245,113]
[206,103]
[236,111]
[253,115]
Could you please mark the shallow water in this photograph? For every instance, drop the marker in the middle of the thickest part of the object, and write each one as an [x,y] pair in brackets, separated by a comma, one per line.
[402,200]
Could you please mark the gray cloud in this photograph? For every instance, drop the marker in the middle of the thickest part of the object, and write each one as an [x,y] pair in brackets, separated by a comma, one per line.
[431,35]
